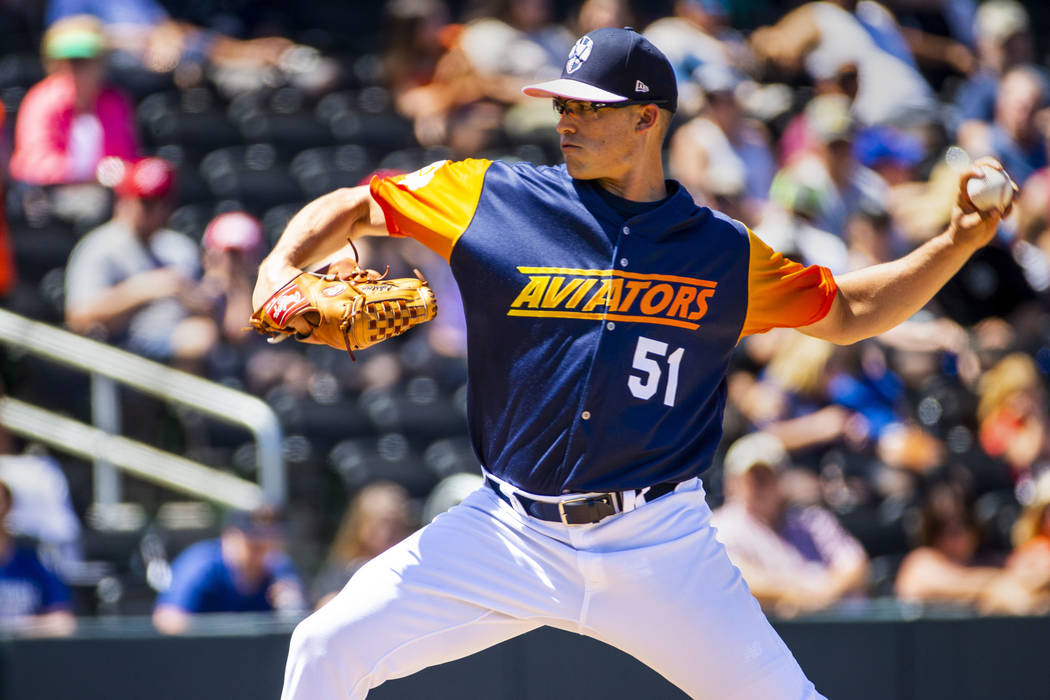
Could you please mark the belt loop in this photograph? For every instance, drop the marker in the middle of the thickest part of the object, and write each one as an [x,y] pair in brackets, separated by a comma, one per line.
[509,492]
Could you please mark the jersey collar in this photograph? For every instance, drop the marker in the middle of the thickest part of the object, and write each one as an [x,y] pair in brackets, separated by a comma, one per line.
[679,210]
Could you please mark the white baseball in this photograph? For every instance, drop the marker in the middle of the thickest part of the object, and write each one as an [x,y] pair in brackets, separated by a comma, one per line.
[992,190]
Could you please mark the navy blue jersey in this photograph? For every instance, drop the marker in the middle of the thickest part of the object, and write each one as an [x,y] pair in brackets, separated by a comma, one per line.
[597,346]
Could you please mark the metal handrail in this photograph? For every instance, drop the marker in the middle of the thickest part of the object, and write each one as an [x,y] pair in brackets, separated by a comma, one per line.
[142,460]
[220,402]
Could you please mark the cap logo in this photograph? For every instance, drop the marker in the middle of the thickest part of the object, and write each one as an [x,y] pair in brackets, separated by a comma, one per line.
[581,51]
[639,86]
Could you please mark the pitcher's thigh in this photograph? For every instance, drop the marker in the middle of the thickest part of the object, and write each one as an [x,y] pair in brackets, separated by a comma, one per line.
[696,623]
[416,605]
[351,646]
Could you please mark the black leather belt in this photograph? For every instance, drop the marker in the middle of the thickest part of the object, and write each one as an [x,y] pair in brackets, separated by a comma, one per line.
[585,510]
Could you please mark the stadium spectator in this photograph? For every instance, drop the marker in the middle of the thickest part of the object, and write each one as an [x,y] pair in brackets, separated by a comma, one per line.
[1030,559]
[245,570]
[1004,40]
[939,33]
[819,35]
[418,33]
[1017,137]
[829,176]
[503,47]
[1031,246]
[789,396]
[948,567]
[33,601]
[42,507]
[133,282]
[147,40]
[73,118]
[696,34]
[377,518]
[1012,412]
[793,559]
[8,273]
[869,238]
[595,14]
[830,77]
[788,223]
[721,152]
[232,247]
[891,153]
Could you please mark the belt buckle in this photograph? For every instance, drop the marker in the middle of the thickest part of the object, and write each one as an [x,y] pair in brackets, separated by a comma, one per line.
[610,497]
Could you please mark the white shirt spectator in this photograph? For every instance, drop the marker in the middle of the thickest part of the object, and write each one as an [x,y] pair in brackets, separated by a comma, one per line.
[889,87]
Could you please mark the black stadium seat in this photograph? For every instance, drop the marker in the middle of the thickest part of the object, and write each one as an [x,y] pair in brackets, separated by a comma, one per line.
[320,170]
[190,120]
[365,118]
[40,249]
[281,120]
[252,175]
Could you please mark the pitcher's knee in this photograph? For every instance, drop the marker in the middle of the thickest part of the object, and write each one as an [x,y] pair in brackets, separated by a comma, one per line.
[325,650]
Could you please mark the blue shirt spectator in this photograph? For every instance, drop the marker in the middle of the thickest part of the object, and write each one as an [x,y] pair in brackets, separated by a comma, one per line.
[1020,160]
[32,599]
[245,570]
[202,581]
[27,587]
[975,98]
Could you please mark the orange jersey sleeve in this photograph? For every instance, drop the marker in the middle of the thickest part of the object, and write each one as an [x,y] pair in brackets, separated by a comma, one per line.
[435,204]
[781,293]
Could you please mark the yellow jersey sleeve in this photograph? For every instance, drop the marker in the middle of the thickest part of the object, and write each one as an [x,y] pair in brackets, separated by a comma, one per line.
[433,205]
[782,293]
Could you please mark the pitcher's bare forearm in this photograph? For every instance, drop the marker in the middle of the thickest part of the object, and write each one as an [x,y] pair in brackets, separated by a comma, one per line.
[317,231]
[874,299]
[322,226]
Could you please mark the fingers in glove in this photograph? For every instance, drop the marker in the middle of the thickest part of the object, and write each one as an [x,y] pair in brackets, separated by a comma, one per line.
[346,269]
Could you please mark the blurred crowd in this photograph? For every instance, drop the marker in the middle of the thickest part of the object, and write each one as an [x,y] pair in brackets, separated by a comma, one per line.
[151,155]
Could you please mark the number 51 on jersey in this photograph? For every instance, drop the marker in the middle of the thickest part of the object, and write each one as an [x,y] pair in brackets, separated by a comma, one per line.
[651,358]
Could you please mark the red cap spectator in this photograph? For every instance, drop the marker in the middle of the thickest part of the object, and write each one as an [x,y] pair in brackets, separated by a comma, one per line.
[147,178]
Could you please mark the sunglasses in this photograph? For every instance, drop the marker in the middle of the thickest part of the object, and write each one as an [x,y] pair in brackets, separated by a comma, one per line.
[579,108]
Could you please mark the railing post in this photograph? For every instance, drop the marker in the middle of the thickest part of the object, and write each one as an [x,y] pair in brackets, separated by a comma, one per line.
[270,460]
[105,415]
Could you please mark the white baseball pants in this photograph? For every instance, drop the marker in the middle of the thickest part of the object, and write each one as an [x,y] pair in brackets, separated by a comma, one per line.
[653,582]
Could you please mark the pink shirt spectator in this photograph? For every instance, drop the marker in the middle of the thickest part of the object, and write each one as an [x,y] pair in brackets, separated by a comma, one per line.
[45,123]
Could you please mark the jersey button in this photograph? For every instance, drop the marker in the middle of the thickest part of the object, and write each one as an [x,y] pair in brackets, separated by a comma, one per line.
[586,415]
[610,325]
[623,262]
[627,230]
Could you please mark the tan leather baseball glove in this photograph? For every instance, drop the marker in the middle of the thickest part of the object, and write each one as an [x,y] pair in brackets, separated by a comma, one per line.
[347,311]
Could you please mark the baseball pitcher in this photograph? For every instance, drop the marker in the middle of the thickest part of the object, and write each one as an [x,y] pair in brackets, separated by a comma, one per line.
[602,307]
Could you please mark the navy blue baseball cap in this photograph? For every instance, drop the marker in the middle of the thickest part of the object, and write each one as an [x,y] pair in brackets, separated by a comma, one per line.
[613,65]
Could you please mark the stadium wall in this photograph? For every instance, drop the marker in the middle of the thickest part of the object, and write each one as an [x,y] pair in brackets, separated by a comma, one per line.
[851,659]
